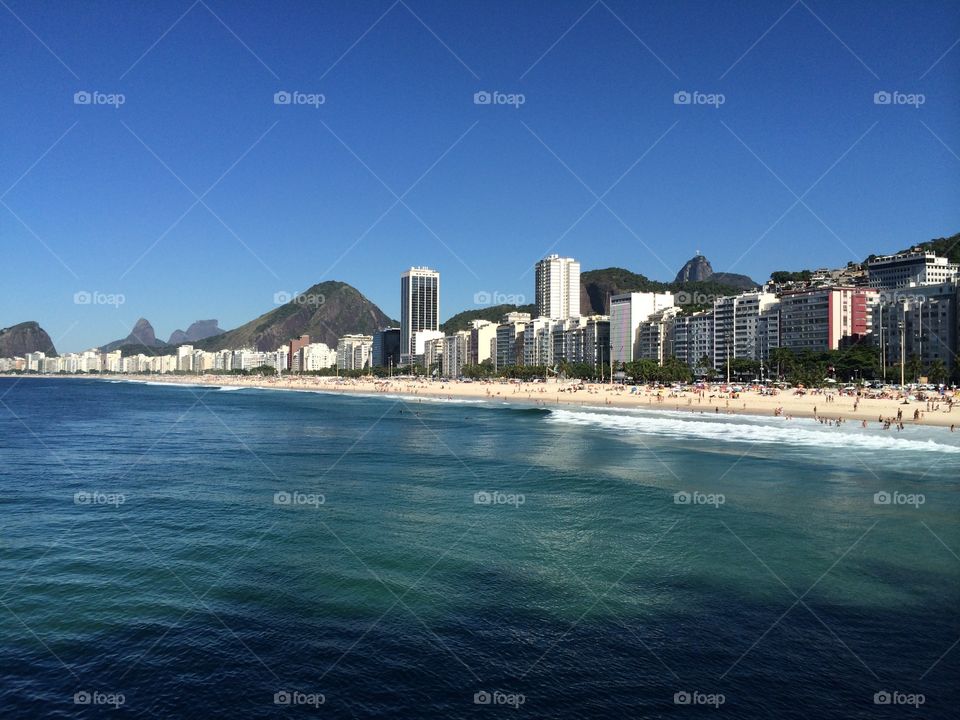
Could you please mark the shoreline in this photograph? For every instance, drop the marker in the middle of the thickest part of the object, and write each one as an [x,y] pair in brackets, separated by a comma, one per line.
[826,407]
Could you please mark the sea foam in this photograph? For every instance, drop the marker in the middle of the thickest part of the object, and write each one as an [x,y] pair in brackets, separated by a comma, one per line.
[738,429]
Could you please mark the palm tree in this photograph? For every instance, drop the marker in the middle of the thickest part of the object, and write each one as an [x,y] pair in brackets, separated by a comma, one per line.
[937,372]
[914,367]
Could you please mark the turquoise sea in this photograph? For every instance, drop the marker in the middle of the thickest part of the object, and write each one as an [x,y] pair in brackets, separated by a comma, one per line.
[202,552]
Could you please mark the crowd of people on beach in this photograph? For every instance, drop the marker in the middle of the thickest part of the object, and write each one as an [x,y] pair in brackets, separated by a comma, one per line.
[839,404]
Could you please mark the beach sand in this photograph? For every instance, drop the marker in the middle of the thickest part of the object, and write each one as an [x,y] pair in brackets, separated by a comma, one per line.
[828,405]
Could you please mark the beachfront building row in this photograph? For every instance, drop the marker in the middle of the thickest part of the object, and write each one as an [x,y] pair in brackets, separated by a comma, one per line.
[752,324]
[910,308]
[922,323]
[923,319]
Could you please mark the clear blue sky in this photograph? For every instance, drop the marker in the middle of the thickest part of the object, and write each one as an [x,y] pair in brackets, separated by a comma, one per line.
[494,187]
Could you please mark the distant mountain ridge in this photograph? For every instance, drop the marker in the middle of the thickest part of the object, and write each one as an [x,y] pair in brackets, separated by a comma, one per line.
[26,337]
[200,330]
[698,269]
[141,335]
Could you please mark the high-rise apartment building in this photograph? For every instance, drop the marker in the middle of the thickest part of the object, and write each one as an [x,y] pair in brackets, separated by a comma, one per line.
[419,307]
[558,288]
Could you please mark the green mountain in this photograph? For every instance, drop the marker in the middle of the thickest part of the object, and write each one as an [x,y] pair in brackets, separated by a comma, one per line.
[596,287]
[461,321]
[324,312]
[948,247]
[26,337]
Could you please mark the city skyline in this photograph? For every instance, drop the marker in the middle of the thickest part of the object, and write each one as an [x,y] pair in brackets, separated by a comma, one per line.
[823,311]
[256,164]
[283,297]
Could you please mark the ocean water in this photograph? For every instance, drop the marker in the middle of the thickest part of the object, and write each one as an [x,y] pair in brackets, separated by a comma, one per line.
[190,552]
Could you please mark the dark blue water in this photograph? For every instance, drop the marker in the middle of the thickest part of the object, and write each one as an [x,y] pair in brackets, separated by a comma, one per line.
[188,552]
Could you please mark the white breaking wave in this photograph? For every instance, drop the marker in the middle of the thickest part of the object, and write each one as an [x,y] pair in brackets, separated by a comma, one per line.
[182,385]
[727,429]
[413,399]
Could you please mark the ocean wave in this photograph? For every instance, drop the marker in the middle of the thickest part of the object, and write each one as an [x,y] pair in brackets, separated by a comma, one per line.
[734,429]
[424,398]
[182,385]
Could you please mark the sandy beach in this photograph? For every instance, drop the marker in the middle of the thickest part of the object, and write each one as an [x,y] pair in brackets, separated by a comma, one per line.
[826,406]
